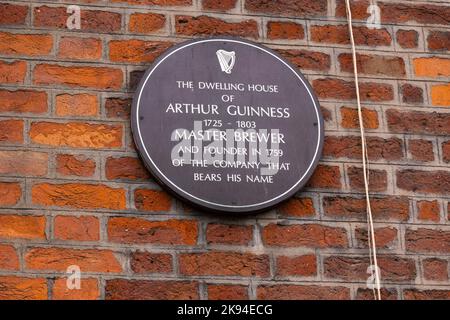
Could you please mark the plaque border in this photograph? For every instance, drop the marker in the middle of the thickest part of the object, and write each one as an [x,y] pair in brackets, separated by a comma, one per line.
[183,194]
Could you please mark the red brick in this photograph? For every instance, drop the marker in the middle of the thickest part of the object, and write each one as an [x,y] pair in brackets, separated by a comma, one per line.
[137,230]
[411,94]
[368,294]
[373,64]
[9,260]
[424,181]
[25,44]
[304,235]
[427,240]
[21,288]
[305,59]
[298,8]
[296,266]
[125,168]
[446,151]
[156,2]
[80,48]
[377,179]
[439,40]
[149,262]
[231,234]
[83,228]
[11,131]
[218,5]
[91,20]
[302,292]
[22,227]
[385,237]
[418,122]
[146,22]
[84,105]
[435,269]
[359,9]
[136,51]
[386,208]
[428,210]
[224,264]
[118,108]
[285,30]
[75,165]
[13,72]
[350,118]
[78,76]
[345,90]
[420,13]
[152,200]
[89,290]
[76,134]
[353,268]
[298,207]
[227,292]
[59,259]
[12,14]
[77,195]
[23,163]
[407,39]
[415,294]
[350,147]
[206,25]
[23,101]
[326,177]
[339,34]
[125,289]
[10,193]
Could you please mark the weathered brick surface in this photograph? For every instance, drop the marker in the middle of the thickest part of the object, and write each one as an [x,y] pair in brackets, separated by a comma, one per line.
[73,189]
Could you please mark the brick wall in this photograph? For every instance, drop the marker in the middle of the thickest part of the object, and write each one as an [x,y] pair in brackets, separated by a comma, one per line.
[72,190]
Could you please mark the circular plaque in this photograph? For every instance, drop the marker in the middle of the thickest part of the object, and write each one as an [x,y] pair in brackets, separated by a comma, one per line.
[227,124]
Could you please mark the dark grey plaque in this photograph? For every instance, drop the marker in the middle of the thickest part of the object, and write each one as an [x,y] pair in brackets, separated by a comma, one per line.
[227,124]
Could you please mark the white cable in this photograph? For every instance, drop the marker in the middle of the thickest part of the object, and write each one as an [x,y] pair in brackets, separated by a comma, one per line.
[365,161]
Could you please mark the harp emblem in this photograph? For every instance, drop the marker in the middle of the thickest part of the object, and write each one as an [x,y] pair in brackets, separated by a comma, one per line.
[226,60]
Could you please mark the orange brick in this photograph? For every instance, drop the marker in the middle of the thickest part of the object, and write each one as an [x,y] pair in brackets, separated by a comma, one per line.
[22,227]
[20,288]
[80,48]
[76,134]
[59,259]
[25,44]
[23,101]
[432,67]
[82,228]
[428,210]
[136,50]
[11,131]
[136,230]
[89,290]
[8,258]
[77,195]
[350,119]
[285,30]
[76,105]
[10,193]
[146,22]
[26,163]
[152,200]
[78,76]
[13,72]
[299,207]
[440,95]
